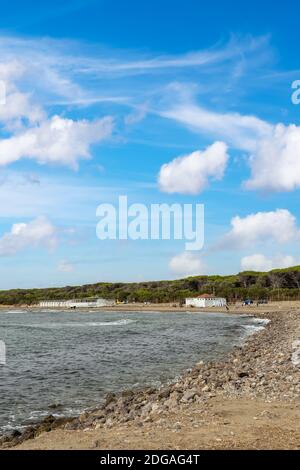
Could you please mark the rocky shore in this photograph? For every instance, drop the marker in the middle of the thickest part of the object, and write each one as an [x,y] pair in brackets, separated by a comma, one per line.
[266,367]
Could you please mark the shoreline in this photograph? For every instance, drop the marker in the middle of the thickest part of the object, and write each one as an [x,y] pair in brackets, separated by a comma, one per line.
[261,370]
[236,308]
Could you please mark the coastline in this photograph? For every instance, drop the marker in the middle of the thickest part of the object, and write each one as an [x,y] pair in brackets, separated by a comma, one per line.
[236,308]
[258,374]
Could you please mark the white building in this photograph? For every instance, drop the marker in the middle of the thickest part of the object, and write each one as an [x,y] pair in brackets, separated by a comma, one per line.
[77,303]
[205,300]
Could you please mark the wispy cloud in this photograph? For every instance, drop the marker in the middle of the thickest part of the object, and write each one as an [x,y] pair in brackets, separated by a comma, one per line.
[65,266]
[240,131]
[69,68]
[69,74]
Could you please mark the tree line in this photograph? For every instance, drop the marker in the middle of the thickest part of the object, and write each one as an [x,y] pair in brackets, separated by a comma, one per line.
[278,284]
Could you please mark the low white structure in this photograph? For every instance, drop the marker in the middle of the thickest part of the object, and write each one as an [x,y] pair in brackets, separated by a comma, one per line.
[205,300]
[77,303]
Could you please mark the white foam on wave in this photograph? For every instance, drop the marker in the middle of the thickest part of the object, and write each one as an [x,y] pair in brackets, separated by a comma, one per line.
[261,321]
[48,310]
[253,328]
[15,311]
[124,321]
[257,324]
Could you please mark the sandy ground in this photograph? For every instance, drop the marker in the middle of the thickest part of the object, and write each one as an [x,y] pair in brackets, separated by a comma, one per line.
[220,422]
[233,308]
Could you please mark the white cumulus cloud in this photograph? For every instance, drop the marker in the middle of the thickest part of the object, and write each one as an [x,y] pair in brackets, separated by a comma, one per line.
[58,140]
[259,262]
[190,174]
[187,264]
[273,150]
[38,232]
[279,226]
[275,165]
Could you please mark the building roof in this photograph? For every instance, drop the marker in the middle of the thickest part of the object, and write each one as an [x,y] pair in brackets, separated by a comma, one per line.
[206,296]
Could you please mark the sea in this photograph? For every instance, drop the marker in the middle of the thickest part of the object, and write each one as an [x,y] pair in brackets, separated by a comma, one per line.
[65,362]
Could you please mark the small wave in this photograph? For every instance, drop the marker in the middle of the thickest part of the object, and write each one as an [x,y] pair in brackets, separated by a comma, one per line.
[262,321]
[48,310]
[253,328]
[257,324]
[56,325]
[6,428]
[124,321]
[40,414]
[15,311]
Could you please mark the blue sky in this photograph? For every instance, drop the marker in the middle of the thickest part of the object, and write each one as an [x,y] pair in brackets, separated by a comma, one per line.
[166,102]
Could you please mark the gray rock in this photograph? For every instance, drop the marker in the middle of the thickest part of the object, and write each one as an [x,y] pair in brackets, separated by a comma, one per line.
[189,395]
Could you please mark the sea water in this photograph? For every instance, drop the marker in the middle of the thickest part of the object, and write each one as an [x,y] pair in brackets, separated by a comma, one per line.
[62,362]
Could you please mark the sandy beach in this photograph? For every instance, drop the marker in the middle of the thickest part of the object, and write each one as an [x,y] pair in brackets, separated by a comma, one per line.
[251,400]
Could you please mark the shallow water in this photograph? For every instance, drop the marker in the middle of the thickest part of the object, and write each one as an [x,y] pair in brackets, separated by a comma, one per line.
[72,359]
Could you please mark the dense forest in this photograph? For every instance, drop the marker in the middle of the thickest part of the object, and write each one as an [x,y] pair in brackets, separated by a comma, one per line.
[278,284]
